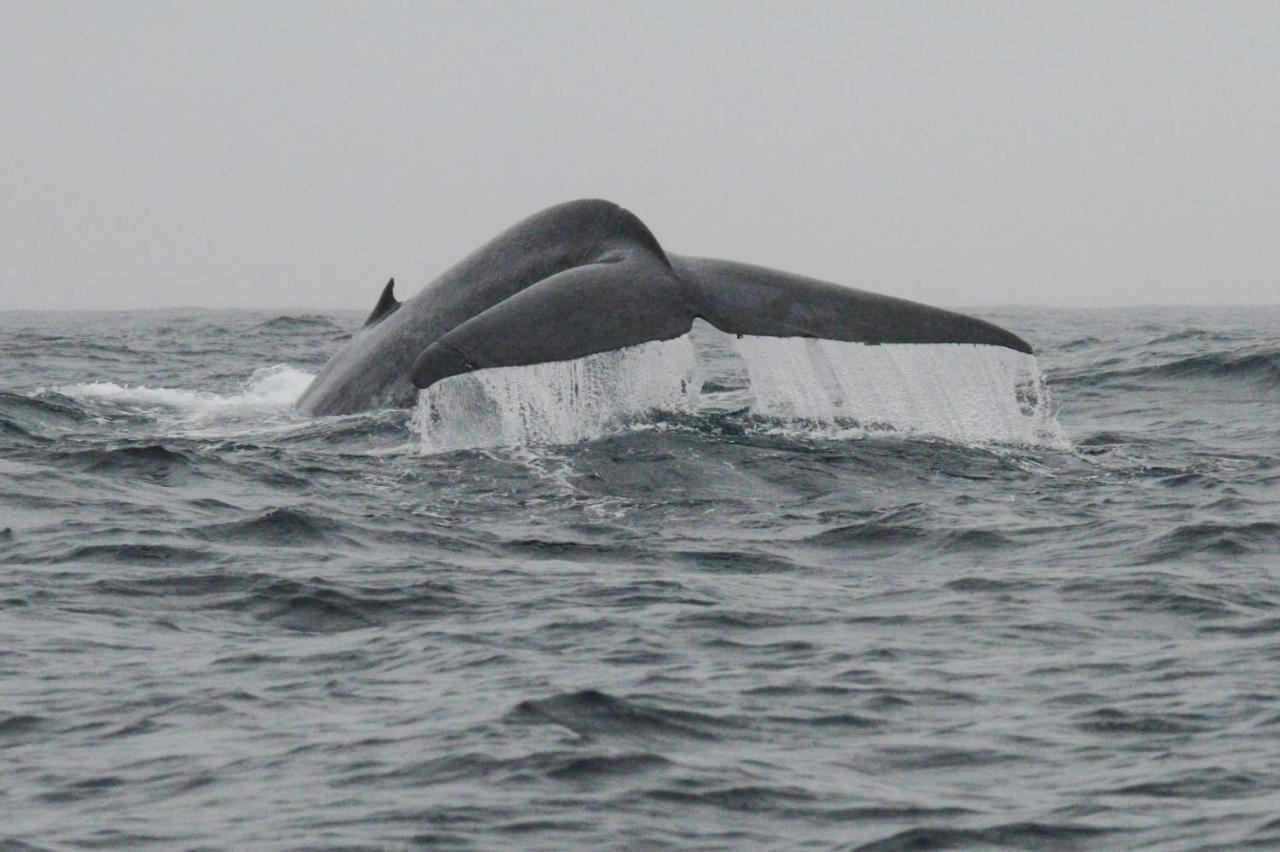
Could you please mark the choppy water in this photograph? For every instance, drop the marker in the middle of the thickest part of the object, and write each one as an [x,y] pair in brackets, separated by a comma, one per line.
[225,626]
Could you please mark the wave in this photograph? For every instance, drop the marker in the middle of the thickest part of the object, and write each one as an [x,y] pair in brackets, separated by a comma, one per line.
[313,605]
[1079,343]
[1254,368]
[1259,367]
[1190,334]
[753,798]
[1216,539]
[1162,594]
[1211,782]
[598,767]
[1116,722]
[31,421]
[132,553]
[151,462]
[21,726]
[591,714]
[12,433]
[278,528]
[300,322]
[1017,835]
[267,390]
[46,408]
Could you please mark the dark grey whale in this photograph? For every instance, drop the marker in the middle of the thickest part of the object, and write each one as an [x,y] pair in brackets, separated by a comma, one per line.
[585,277]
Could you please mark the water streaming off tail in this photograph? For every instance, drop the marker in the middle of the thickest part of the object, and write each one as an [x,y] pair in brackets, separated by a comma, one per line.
[557,403]
[961,392]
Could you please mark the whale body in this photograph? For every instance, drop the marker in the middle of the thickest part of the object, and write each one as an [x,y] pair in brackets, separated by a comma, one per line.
[585,277]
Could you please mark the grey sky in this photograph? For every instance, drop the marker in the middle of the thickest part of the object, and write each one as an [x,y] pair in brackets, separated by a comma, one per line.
[298,154]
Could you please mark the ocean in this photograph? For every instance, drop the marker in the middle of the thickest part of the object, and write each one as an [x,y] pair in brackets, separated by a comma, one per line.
[716,594]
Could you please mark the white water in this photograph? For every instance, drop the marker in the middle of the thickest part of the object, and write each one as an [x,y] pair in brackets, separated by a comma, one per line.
[959,392]
[268,391]
[562,402]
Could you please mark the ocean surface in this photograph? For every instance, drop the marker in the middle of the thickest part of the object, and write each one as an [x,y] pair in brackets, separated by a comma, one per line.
[715,594]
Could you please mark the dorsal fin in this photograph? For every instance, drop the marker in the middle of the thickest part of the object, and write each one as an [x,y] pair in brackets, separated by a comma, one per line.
[386,306]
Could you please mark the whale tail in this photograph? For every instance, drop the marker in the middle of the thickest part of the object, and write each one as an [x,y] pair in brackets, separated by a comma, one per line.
[586,277]
[745,299]
[641,297]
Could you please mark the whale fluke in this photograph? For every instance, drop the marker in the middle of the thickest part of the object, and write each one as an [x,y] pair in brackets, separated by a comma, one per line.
[586,277]
[743,299]
[387,305]
[602,307]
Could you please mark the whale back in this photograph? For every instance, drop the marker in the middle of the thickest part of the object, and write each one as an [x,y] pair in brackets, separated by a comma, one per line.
[372,369]
[386,305]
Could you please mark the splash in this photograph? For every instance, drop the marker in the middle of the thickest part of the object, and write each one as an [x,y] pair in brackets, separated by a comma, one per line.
[267,390]
[562,402]
[959,392]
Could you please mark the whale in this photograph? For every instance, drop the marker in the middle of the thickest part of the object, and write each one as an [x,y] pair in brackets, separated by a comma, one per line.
[586,277]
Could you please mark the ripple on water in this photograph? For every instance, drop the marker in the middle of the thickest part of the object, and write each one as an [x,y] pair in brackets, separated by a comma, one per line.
[1213,539]
[1014,835]
[152,463]
[279,527]
[1115,721]
[592,714]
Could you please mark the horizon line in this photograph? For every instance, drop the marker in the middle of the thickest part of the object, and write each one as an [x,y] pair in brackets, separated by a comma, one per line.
[968,306]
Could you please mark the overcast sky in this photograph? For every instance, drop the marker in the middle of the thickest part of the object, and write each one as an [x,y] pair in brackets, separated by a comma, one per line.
[298,154]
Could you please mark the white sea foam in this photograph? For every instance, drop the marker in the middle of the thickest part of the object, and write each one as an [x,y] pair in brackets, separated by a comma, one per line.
[959,392]
[268,390]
